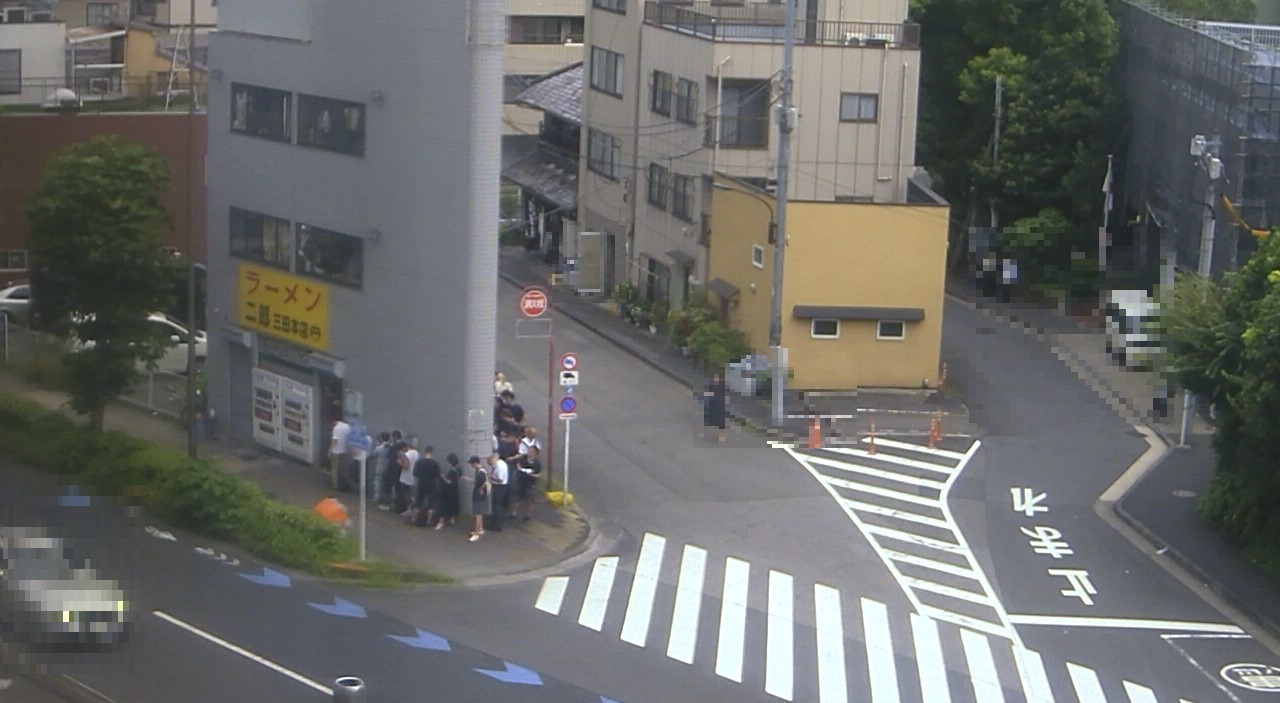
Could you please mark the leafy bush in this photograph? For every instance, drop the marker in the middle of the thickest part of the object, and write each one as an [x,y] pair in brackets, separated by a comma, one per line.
[717,345]
[294,536]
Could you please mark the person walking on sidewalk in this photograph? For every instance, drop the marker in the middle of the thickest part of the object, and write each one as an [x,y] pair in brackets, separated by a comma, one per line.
[450,503]
[500,492]
[481,497]
[715,401]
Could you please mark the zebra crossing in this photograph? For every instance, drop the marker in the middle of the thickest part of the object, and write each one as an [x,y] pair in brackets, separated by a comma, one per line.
[898,500]
[704,611]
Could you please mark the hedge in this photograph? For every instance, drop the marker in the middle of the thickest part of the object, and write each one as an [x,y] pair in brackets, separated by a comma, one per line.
[193,494]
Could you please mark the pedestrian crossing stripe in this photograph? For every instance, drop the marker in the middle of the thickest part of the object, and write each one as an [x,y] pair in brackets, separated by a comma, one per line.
[834,663]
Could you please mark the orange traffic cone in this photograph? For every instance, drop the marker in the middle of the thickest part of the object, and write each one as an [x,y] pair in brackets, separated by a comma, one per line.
[935,430]
[815,433]
[872,450]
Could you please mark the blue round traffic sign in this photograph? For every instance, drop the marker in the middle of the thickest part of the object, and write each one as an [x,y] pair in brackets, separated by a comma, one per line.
[568,404]
[569,362]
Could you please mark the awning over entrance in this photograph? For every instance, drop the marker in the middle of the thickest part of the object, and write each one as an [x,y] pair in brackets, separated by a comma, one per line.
[681,259]
[551,176]
[854,312]
[722,288]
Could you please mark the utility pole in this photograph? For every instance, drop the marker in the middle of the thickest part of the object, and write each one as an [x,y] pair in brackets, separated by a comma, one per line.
[191,235]
[995,141]
[1241,155]
[786,122]
[1206,158]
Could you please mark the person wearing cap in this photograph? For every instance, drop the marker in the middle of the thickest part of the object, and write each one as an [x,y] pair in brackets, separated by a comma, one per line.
[480,497]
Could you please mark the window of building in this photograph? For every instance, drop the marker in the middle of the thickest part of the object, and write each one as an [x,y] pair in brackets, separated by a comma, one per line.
[891,329]
[10,71]
[757,256]
[330,255]
[744,113]
[606,71]
[660,96]
[262,112]
[682,198]
[261,238]
[619,6]
[859,107]
[97,14]
[13,259]
[820,328]
[334,125]
[544,29]
[604,154]
[687,101]
[659,184]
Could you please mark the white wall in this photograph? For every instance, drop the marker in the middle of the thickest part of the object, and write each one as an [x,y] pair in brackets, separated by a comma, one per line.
[44,58]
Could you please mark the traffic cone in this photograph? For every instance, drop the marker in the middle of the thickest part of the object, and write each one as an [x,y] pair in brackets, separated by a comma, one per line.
[872,450]
[815,433]
[935,430]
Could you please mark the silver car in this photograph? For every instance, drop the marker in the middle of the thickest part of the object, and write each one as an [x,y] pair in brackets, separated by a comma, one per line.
[49,597]
[15,304]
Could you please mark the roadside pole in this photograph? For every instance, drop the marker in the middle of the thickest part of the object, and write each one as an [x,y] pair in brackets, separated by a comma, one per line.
[568,423]
[535,307]
[569,377]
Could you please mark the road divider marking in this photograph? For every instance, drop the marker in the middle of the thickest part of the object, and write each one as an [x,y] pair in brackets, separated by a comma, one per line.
[1035,682]
[236,649]
[1139,694]
[1086,683]
[929,662]
[907,446]
[892,459]
[833,684]
[733,619]
[779,673]
[551,597]
[597,599]
[878,473]
[688,606]
[1125,623]
[881,669]
[635,625]
[982,668]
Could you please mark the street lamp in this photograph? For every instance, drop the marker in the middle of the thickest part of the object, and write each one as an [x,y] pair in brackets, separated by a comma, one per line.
[1205,152]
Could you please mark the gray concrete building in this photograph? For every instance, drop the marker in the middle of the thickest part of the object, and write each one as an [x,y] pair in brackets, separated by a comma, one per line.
[352,184]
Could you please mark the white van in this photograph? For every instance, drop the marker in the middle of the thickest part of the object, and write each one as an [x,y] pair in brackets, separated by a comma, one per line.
[1133,334]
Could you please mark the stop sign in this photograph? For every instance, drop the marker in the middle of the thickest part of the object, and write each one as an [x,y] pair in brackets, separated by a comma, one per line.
[533,302]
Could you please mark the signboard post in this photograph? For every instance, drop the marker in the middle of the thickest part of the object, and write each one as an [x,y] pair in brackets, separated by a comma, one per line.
[569,377]
[535,304]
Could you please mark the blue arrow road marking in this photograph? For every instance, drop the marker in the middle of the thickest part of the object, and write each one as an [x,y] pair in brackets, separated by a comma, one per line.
[424,640]
[269,577]
[73,498]
[607,700]
[514,674]
[343,608]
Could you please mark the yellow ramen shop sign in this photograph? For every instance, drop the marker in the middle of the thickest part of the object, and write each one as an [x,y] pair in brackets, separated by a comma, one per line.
[285,306]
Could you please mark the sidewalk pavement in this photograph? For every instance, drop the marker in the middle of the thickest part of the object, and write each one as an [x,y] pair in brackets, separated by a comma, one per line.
[548,538]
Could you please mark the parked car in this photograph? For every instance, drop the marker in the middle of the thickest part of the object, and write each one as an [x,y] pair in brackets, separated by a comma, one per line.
[15,304]
[1133,334]
[51,598]
[174,358]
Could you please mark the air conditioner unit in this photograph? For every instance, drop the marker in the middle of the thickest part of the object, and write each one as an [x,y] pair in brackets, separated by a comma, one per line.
[15,15]
[100,85]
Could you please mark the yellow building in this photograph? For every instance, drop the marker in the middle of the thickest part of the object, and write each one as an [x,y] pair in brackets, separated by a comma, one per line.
[863,285]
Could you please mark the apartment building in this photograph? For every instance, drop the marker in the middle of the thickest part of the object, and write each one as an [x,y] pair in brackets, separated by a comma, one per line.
[678,91]
[33,53]
[543,36]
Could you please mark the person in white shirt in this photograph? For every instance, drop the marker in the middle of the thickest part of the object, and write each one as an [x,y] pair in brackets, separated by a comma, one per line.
[530,467]
[338,451]
[404,486]
[500,490]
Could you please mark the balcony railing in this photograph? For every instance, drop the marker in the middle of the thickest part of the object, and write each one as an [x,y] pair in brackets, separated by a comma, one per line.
[764,22]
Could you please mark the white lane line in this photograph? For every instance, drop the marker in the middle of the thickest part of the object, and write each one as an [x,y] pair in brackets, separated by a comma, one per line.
[895,514]
[244,652]
[951,591]
[881,668]
[933,564]
[598,588]
[1125,623]
[733,619]
[962,620]
[1139,694]
[884,492]
[833,685]
[1086,683]
[684,617]
[912,538]
[1035,682]
[885,458]
[878,473]
[929,662]
[551,597]
[779,671]
[982,668]
[635,625]
[915,448]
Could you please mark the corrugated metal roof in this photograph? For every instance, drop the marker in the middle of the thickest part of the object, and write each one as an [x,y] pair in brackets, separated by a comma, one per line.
[551,176]
[559,93]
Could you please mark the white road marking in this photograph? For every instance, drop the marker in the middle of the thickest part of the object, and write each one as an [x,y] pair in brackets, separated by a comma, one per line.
[833,684]
[1139,694]
[933,564]
[950,591]
[1086,683]
[890,458]
[991,628]
[243,652]
[597,599]
[684,617]
[1035,682]
[635,625]
[881,668]
[982,668]
[1125,623]
[895,514]
[917,448]
[884,492]
[551,597]
[733,619]
[878,473]
[779,672]
[910,538]
[929,662]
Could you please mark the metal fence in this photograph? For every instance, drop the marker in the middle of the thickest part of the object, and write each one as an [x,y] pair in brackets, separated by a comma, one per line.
[763,22]
[108,93]
[38,356]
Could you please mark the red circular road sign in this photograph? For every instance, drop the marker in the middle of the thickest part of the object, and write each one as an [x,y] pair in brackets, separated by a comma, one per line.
[534,302]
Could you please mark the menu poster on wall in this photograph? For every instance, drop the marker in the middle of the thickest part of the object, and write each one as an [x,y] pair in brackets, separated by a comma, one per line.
[266,409]
[298,419]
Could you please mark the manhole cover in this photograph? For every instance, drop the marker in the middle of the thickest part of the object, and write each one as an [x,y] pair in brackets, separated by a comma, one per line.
[1182,493]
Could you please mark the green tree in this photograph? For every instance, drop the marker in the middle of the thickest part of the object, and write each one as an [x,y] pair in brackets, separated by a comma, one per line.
[97,223]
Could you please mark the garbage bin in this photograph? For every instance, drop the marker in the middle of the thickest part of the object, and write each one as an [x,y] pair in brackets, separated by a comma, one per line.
[348,689]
